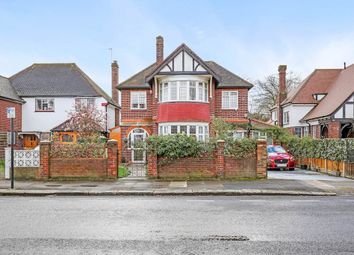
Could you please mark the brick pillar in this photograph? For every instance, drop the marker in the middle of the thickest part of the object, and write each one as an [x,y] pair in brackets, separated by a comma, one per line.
[152,165]
[44,167]
[112,160]
[220,158]
[262,159]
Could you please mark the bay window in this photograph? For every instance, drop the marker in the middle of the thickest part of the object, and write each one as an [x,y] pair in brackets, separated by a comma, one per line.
[198,130]
[183,90]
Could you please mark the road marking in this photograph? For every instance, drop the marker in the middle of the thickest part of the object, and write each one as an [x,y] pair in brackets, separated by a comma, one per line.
[200,200]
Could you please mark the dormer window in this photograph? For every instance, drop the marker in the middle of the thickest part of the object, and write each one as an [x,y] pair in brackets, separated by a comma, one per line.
[319,96]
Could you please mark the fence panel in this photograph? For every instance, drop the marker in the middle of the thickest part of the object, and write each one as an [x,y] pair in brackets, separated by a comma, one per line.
[22,158]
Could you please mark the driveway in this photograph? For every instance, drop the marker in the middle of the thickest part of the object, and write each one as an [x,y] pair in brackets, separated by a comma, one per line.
[340,185]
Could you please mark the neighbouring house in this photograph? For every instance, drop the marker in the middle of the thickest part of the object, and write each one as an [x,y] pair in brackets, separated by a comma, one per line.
[46,93]
[180,93]
[8,98]
[321,107]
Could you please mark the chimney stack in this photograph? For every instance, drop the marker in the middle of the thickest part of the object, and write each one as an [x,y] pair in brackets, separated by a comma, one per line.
[282,92]
[159,49]
[115,81]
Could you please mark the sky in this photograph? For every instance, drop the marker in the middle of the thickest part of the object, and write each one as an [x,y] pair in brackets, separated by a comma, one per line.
[250,38]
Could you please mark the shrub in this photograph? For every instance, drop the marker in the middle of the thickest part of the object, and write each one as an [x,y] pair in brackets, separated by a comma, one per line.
[242,148]
[176,146]
[79,150]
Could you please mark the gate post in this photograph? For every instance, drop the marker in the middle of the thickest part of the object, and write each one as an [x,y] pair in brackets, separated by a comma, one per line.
[261,159]
[44,148]
[112,160]
[220,159]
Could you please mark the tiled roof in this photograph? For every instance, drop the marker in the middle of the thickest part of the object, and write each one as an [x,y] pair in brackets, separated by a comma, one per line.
[228,79]
[7,91]
[337,93]
[138,79]
[317,82]
[58,80]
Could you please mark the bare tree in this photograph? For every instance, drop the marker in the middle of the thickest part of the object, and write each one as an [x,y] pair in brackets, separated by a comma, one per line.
[266,92]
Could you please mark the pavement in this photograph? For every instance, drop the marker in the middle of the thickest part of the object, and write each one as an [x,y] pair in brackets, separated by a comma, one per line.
[298,182]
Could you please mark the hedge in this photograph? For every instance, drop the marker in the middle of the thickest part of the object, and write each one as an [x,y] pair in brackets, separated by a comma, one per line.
[331,149]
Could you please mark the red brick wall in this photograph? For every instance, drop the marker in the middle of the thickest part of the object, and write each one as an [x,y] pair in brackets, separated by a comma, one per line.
[334,129]
[4,121]
[242,104]
[211,166]
[128,114]
[203,167]
[242,168]
[68,168]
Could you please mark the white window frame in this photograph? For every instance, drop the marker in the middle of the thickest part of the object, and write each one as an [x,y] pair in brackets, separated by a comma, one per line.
[165,129]
[186,85]
[141,95]
[227,105]
[44,99]
[261,135]
[286,117]
[85,101]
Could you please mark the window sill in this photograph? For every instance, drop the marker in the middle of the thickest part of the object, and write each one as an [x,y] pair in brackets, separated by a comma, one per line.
[195,102]
[135,109]
[228,109]
[43,111]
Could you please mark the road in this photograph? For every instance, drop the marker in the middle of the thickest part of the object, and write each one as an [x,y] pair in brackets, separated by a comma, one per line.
[177,225]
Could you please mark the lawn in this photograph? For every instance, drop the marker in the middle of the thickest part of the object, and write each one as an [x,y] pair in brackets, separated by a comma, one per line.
[122,172]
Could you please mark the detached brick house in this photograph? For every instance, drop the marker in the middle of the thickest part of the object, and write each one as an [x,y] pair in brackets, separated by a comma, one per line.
[8,98]
[180,93]
[321,107]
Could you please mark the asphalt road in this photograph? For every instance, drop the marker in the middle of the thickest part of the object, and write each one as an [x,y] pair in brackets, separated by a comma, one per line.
[177,225]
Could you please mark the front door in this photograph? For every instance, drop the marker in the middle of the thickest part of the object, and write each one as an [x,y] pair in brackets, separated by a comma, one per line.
[30,141]
[138,151]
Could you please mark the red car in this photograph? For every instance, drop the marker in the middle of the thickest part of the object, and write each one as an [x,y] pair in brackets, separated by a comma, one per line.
[278,158]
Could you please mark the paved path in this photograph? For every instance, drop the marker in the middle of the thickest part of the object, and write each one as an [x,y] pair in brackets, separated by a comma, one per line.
[298,182]
[177,225]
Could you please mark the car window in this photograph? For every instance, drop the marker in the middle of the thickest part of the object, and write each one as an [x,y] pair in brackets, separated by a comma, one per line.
[276,149]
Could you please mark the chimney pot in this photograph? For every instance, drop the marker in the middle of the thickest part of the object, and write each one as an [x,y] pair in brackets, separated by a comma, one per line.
[159,49]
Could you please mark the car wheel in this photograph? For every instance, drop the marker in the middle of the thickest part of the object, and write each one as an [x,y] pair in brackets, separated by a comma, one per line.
[291,169]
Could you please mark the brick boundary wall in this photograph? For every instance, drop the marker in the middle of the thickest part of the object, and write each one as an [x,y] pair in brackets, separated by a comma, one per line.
[102,168]
[216,166]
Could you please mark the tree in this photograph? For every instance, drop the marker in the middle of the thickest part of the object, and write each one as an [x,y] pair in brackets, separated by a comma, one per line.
[87,121]
[266,92]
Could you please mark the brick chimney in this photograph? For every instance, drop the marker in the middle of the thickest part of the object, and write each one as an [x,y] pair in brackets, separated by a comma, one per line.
[115,81]
[282,92]
[159,49]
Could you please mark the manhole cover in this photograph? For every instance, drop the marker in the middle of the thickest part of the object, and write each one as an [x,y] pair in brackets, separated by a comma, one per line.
[53,185]
[88,185]
[226,238]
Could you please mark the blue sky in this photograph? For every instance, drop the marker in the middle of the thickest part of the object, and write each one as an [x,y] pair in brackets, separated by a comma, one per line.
[251,38]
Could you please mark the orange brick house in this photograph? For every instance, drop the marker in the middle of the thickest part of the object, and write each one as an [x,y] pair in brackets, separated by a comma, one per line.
[321,107]
[178,94]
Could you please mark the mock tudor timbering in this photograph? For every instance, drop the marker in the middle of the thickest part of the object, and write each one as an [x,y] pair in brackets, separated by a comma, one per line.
[179,93]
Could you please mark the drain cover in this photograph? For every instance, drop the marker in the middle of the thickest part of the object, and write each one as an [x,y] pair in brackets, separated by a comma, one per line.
[226,238]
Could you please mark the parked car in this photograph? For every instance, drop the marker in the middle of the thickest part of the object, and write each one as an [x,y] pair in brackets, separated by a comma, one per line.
[279,158]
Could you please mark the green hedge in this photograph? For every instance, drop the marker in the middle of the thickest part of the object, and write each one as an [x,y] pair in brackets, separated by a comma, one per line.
[331,149]
[177,146]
